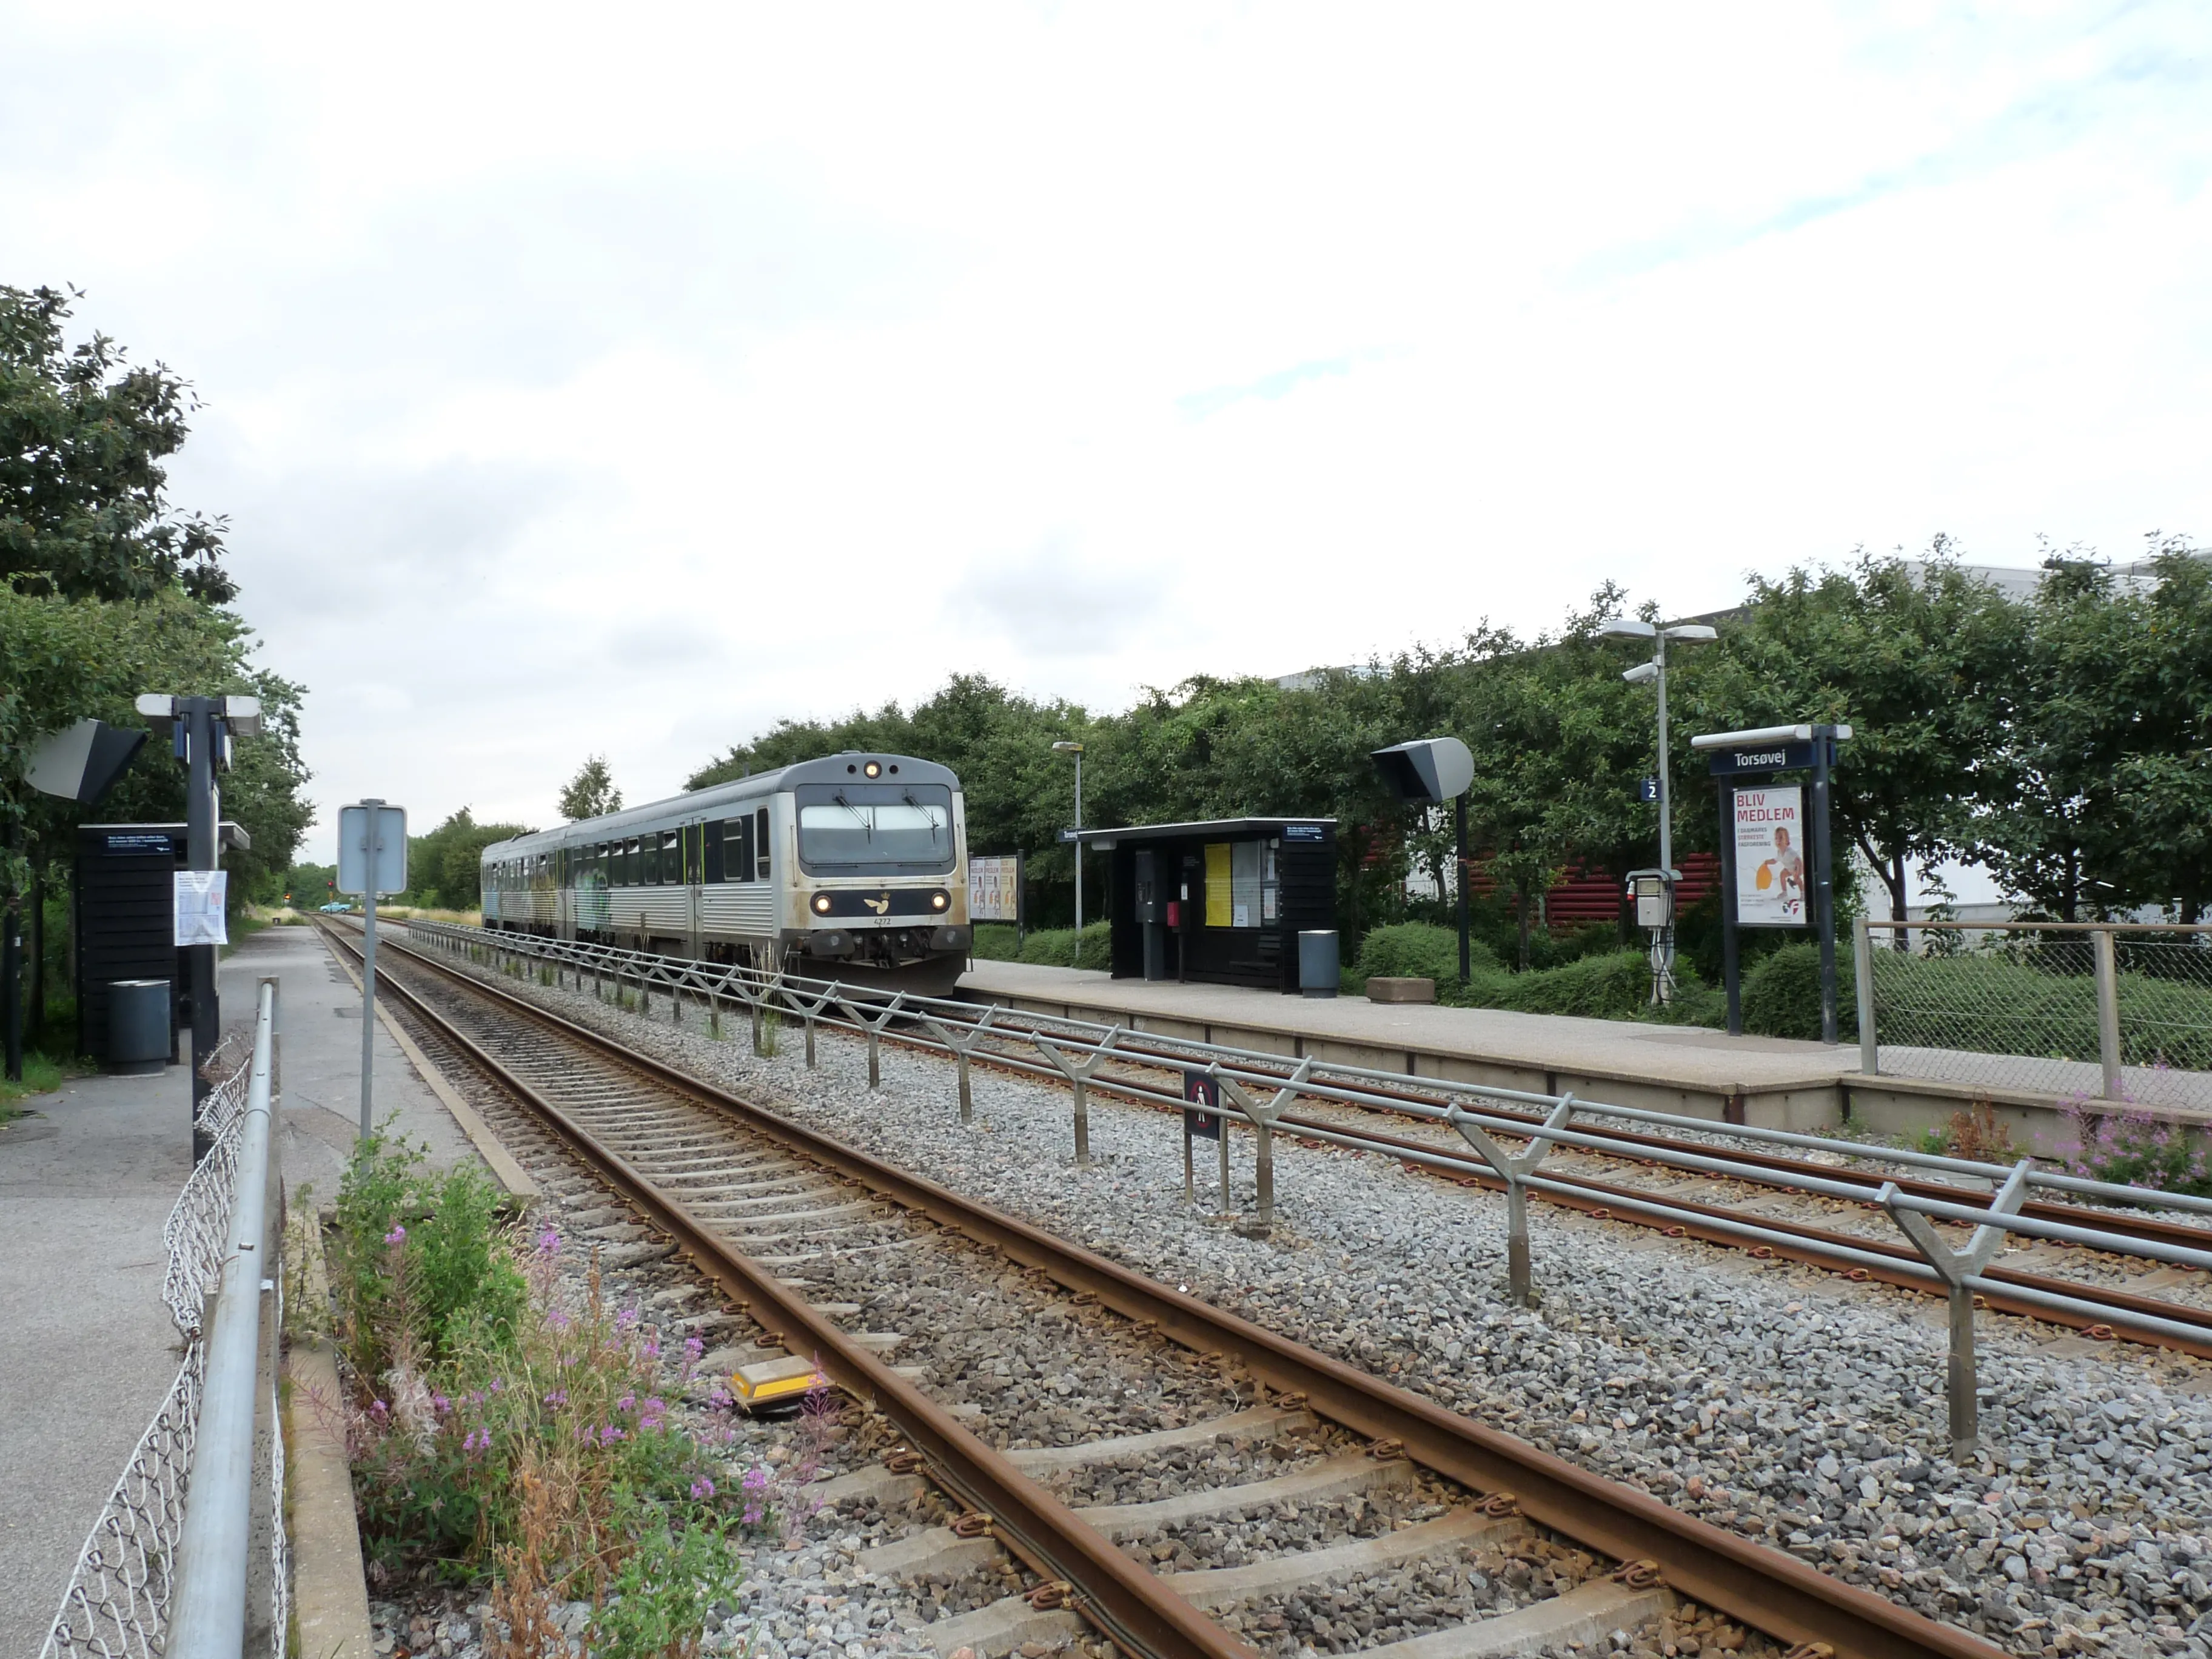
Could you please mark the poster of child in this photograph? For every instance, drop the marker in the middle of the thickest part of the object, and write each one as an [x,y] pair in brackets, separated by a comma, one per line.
[1770,867]
[1785,874]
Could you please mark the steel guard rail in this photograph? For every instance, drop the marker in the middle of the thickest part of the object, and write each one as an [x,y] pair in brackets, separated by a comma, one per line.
[1345,1085]
[207,1617]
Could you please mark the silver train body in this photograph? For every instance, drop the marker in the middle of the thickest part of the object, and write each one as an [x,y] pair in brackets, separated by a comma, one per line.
[852,867]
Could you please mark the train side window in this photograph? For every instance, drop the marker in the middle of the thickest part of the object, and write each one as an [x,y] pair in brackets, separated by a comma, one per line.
[671,859]
[760,842]
[711,849]
[737,849]
[649,851]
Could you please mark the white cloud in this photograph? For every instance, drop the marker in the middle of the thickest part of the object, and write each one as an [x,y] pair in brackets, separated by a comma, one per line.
[585,383]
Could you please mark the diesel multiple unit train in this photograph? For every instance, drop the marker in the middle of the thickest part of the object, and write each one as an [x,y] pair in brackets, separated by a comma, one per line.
[852,868]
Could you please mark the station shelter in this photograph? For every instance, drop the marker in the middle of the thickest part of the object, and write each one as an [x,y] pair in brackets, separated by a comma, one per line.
[1218,903]
[125,916]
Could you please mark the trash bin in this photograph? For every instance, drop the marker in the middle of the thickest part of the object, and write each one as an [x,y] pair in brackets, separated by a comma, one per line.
[137,1025]
[1317,969]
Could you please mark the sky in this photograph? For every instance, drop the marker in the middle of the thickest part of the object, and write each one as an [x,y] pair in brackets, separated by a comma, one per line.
[623,380]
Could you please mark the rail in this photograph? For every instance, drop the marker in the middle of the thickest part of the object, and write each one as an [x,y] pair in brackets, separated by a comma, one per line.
[164,1570]
[1988,1197]
[1762,1586]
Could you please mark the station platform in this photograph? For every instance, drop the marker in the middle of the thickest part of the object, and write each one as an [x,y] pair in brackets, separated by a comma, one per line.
[1769,1082]
[87,1179]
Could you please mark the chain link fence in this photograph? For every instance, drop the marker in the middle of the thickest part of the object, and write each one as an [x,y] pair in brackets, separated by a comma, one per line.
[2104,1013]
[118,1601]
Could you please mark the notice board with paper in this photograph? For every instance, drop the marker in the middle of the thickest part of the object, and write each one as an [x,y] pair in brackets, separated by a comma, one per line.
[199,896]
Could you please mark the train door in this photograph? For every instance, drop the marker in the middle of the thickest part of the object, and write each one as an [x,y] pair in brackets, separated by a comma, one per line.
[694,876]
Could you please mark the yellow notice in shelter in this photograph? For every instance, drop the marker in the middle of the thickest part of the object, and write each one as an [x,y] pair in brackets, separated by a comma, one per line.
[1218,894]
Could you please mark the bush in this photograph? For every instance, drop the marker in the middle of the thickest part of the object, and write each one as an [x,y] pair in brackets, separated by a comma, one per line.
[996,941]
[394,1211]
[1419,949]
[1782,995]
[1053,947]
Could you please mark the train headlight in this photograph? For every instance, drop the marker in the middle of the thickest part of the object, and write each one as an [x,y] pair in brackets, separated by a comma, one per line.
[940,900]
[821,904]
[873,768]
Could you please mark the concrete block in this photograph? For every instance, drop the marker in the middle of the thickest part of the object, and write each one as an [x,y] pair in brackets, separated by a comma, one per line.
[1384,989]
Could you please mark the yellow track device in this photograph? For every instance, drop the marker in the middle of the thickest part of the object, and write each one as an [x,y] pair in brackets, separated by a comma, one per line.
[774,1382]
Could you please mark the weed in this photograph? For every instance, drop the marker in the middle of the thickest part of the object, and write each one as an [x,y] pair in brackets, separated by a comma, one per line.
[660,1598]
[771,1025]
[2133,1148]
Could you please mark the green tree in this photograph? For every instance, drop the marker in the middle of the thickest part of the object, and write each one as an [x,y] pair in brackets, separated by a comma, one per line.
[591,793]
[63,660]
[445,867]
[83,509]
[1915,658]
[2162,785]
[2050,824]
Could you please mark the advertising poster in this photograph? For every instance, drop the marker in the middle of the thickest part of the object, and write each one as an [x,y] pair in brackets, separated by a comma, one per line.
[1769,857]
[993,888]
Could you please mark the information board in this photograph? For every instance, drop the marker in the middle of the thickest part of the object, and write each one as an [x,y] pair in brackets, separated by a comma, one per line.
[200,896]
[1769,857]
[994,888]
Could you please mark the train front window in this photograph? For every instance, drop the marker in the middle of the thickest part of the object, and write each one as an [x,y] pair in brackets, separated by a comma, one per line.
[876,829]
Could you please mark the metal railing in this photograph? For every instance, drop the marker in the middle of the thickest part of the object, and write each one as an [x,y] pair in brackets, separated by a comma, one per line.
[2108,1012]
[1260,1088]
[157,1543]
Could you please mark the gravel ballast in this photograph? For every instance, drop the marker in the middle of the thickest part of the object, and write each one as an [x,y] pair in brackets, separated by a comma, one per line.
[1797,1409]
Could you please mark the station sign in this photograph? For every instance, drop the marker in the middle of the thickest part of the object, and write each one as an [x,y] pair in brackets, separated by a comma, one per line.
[1766,758]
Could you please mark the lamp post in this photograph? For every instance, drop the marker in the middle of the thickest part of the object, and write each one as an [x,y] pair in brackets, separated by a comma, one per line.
[1655,673]
[1065,747]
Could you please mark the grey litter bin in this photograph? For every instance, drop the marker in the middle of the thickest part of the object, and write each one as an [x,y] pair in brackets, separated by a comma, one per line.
[1317,970]
[137,1025]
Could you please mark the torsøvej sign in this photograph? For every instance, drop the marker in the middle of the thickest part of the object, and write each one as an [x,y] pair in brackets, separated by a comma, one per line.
[1769,857]
[1766,758]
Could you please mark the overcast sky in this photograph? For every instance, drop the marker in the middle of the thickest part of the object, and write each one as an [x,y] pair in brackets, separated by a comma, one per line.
[624,379]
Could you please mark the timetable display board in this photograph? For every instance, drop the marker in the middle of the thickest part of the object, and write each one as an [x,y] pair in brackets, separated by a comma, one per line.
[994,887]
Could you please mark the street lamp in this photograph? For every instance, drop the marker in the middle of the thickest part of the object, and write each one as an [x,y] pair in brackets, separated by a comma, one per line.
[1065,747]
[1655,673]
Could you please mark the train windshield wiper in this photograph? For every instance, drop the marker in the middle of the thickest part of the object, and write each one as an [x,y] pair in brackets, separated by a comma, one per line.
[927,816]
[865,820]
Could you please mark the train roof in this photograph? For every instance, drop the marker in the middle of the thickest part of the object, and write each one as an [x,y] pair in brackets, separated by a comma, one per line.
[827,769]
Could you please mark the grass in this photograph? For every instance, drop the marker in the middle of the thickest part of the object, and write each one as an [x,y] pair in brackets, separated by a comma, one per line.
[42,1075]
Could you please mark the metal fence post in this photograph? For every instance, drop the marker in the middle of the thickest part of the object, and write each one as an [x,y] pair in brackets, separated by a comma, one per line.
[1955,1268]
[1520,1288]
[2108,1010]
[1263,1119]
[1079,1075]
[1863,971]
[962,1046]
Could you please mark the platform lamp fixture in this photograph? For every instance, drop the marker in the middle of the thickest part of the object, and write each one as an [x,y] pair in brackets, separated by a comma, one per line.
[200,730]
[1667,876]
[1432,770]
[1066,747]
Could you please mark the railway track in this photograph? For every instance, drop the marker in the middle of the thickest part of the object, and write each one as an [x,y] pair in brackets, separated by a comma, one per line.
[2119,1296]
[1218,1487]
